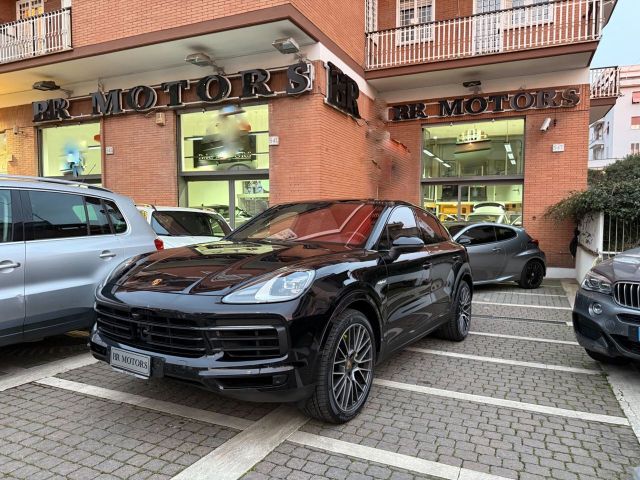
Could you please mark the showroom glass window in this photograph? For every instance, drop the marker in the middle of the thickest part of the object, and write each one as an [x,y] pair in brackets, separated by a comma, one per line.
[225,160]
[474,169]
[71,151]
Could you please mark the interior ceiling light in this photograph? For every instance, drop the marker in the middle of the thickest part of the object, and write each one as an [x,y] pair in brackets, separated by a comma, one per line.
[507,147]
[438,160]
[286,45]
[446,164]
[46,85]
[471,83]
[428,152]
[199,59]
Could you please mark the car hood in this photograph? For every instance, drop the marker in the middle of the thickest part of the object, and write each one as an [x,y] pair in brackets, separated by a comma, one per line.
[623,267]
[217,268]
[184,240]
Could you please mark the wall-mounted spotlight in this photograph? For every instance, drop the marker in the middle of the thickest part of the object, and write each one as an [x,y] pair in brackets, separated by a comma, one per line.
[199,59]
[546,124]
[471,84]
[286,45]
[46,86]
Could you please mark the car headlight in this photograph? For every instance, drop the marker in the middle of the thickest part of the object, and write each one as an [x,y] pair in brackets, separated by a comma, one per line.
[597,283]
[120,269]
[287,285]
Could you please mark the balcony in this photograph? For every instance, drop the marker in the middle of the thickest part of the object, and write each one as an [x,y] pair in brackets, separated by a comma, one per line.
[35,36]
[557,23]
[605,90]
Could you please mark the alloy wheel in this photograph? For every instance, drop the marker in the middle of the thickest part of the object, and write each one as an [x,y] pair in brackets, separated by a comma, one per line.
[352,368]
[464,309]
[534,274]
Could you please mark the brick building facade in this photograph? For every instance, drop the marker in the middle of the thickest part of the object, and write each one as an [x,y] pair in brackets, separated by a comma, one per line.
[398,52]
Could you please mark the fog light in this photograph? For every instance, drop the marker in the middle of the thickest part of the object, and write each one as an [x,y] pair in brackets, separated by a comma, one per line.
[280,379]
[595,309]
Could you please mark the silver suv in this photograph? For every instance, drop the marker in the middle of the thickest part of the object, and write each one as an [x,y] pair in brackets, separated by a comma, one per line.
[58,241]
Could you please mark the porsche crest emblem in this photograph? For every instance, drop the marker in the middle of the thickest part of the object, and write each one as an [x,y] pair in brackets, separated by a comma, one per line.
[156,282]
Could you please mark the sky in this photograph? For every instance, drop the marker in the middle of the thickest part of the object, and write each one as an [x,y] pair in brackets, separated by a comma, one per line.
[619,44]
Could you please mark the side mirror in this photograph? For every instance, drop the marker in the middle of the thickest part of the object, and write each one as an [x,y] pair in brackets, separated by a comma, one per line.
[464,241]
[404,245]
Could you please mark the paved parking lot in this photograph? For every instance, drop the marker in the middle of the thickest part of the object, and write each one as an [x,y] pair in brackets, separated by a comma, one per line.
[519,399]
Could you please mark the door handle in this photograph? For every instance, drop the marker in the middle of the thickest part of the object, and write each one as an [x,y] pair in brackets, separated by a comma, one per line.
[497,249]
[8,264]
[107,254]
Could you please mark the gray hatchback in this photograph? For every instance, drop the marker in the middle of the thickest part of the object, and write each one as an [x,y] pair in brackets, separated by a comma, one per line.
[58,241]
[501,253]
[606,314]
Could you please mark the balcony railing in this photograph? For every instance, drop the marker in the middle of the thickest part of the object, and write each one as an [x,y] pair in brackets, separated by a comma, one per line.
[540,25]
[35,36]
[605,82]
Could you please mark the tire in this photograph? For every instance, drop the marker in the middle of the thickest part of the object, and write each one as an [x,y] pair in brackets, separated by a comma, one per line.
[602,358]
[350,336]
[532,275]
[457,327]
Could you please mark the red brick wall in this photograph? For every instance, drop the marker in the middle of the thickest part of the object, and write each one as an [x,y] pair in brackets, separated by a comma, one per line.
[143,165]
[21,146]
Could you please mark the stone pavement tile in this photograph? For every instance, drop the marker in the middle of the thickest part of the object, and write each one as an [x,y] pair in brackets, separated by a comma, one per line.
[505,441]
[519,298]
[282,464]
[573,391]
[531,313]
[102,375]
[512,349]
[548,288]
[109,439]
[506,326]
[27,355]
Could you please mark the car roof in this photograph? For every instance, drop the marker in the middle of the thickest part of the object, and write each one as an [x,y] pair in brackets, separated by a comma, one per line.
[367,201]
[175,209]
[483,224]
[55,184]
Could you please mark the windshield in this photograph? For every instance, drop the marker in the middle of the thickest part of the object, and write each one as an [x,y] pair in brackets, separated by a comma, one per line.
[183,223]
[344,223]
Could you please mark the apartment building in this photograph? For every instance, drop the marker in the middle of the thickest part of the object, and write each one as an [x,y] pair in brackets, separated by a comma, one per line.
[238,105]
[617,134]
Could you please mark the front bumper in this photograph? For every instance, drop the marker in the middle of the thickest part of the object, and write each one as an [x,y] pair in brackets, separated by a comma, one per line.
[614,332]
[276,381]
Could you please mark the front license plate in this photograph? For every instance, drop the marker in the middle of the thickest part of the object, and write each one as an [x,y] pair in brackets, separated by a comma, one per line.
[139,365]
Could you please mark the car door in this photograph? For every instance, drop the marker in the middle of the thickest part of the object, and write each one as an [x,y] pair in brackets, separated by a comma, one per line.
[406,292]
[507,240]
[443,257]
[70,248]
[12,264]
[486,258]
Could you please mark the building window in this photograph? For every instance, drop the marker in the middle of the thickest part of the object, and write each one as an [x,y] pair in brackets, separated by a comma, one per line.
[537,11]
[635,123]
[635,97]
[635,149]
[29,8]
[413,14]
[71,151]
[371,13]
[478,149]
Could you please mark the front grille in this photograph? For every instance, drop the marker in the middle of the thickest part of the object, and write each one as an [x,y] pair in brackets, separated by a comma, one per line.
[176,335]
[627,344]
[627,294]
[247,342]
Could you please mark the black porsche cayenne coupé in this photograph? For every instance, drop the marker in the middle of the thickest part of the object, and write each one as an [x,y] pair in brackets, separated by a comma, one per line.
[298,305]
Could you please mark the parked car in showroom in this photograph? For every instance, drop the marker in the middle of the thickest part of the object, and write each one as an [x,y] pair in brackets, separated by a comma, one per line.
[298,305]
[606,313]
[501,253]
[178,226]
[58,240]
[489,212]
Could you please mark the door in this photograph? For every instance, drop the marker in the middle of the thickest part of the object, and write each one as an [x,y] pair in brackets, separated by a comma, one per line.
[486,257]
[443,257]
[70,248]
[407,290]
[508,241]
[12,264]
[487,27]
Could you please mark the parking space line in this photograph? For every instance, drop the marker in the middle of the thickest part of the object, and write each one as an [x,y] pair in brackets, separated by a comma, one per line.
[393,459]
[520,305]
[569,324]
[149,403]
[505,361]
[500,402]
[529,339]
[237,456]
[520,319]
[625,383]
[48,370]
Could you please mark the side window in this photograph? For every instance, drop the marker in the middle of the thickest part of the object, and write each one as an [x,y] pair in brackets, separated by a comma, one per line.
[430,228]
[6,221]
[401,223]
[503,233]
[97,216]
[117,219]
[217,228]
[56,215]
[480,235]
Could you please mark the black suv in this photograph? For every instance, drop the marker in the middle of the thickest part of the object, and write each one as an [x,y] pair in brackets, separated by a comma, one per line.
[298,305]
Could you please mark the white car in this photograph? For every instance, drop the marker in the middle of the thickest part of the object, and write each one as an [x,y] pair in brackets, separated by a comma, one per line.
[489,212]
[179,227]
